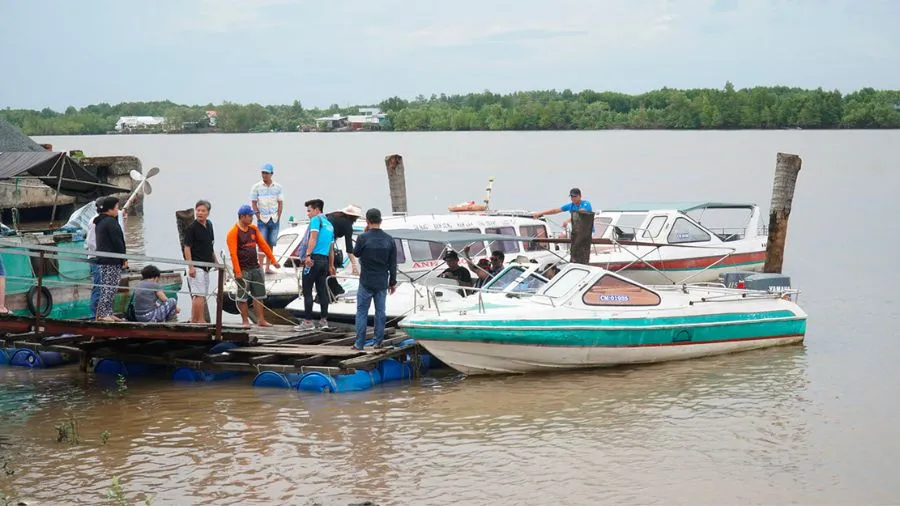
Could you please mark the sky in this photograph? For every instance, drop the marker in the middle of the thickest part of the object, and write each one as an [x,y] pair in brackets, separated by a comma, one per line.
[57,53]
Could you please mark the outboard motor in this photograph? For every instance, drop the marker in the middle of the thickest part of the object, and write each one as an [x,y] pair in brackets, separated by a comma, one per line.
[762,281]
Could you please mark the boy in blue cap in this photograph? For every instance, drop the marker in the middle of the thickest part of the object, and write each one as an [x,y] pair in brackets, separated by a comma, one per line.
[267,199]
[243,240]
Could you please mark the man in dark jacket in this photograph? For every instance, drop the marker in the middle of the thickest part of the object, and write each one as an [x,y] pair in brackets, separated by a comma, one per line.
[110,239]
[377,256]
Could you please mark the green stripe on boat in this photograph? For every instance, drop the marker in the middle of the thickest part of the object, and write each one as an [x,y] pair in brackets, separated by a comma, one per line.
[600,337]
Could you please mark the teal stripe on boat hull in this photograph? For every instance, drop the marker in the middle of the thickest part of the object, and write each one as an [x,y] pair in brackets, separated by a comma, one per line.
[605,337]
[617,322]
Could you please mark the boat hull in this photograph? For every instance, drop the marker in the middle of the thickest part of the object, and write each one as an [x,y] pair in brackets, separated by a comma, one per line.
[473,358]
[492,347]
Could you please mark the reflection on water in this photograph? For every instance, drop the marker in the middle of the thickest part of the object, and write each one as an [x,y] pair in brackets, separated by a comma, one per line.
[590,436]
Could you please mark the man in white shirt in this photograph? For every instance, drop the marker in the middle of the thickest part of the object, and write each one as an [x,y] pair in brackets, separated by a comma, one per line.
[267,200]
[91,244]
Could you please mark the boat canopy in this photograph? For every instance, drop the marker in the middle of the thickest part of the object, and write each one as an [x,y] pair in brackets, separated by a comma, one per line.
[56,170]
[683,206]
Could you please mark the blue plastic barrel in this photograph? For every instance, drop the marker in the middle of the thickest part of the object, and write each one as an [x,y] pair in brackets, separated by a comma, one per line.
[319,382]
[392,369]
[271,379]
[109,366]
[118,367]
[222,347]
[27,358]
[5,355]
[190,374]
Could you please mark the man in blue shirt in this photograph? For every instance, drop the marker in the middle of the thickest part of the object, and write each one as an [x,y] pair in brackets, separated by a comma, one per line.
[318,263]
[377,255]
[577,204]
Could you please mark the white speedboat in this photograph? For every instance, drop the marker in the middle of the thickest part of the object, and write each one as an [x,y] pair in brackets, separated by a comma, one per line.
[428,294]
[590,317]
[417,258]
[679,242]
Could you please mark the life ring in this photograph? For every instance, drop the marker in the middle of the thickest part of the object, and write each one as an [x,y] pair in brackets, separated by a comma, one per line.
[46,301]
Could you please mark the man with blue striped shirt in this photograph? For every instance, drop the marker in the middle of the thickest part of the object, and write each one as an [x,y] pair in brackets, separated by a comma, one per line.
[267,199]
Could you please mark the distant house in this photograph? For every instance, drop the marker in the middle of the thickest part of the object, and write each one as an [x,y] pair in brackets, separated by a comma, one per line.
[369,118]
[335,122]
[139,123]
[897,107]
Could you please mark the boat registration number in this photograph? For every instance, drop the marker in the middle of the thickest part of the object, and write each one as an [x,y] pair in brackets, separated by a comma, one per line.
[614,298]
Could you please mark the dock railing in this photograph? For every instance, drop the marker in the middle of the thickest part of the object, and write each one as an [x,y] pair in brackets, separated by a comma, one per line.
[43,253]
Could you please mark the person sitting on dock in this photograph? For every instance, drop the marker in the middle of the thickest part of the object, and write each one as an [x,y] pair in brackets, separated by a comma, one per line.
[377,255]
[243,240]
[110,239]
[198,246]
[150,303]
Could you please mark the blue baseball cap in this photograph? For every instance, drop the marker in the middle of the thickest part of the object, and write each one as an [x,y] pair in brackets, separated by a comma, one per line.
[268,168]
[245,210]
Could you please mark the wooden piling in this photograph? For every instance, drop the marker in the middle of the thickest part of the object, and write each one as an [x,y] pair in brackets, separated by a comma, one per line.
[582,227]
[787,167]
[396,182]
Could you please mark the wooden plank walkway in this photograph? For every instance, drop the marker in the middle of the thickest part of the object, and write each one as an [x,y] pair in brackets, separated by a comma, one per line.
[279,348]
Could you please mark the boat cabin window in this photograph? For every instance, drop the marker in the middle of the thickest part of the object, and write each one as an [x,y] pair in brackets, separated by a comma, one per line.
[401,255]
[612,291]
[477,247]
[531,284]
[601,223]
[654,227]
[502,280]
[424,250]
[504,246]
[538,231]
[684,231]
[564,282]
[628,226]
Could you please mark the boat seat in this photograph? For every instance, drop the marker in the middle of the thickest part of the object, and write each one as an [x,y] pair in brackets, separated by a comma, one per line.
[621,235]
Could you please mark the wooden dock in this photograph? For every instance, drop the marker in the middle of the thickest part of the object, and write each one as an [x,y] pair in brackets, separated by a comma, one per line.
[280,348]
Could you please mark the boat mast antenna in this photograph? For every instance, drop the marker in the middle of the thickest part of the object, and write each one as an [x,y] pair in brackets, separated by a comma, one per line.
[487,194]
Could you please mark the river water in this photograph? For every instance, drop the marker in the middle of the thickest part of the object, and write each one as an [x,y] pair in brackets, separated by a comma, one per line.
[811,424]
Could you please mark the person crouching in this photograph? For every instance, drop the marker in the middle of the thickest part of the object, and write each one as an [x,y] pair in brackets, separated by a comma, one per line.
[150,303]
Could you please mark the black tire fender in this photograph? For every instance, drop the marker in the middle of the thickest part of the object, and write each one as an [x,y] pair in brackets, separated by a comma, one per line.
[46,301]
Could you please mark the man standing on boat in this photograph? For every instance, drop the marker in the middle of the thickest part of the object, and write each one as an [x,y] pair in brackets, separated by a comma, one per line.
[267,199]
[577,204]
[198,247]
[317,255]
[377,256]
[91,244]
[343,221]
[243,240]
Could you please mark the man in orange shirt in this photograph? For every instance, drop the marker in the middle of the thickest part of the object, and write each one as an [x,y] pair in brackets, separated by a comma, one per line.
[242,240]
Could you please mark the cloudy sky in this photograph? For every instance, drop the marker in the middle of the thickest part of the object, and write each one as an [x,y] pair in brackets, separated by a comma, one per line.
[62,52]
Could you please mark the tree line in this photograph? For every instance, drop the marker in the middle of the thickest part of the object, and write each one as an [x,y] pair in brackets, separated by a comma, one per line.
[760,107]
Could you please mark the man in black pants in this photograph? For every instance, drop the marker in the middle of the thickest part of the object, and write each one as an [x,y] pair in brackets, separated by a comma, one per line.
[317,255]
